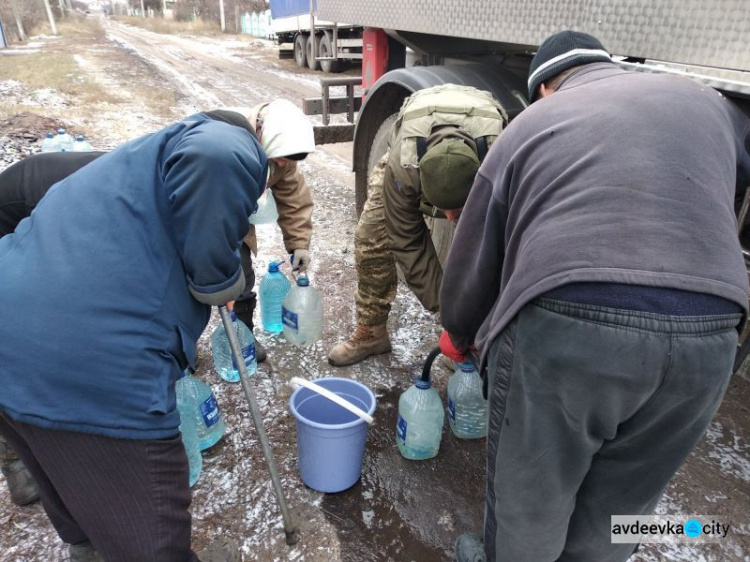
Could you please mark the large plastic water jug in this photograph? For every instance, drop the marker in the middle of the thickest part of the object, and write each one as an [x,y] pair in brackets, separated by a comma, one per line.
[467,408]
[187,406]
[64,140]
[420,417]
[210,424]
[267,211]
[221,352]
[50,144]
[272,291]
[302,314]
[80,145]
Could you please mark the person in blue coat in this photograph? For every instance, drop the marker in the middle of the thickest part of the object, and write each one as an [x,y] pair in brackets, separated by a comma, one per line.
[106,287]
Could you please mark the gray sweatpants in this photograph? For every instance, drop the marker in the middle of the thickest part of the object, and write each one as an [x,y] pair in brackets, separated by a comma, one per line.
[592,411]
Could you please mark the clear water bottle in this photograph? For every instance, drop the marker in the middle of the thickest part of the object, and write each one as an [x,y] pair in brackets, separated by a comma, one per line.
[50,144]
[302,314]
[420,421]
[64,140]
[187,406]
[467,408]
[80,145]
[272,291]
[224,362]
[210,424]
[267,211]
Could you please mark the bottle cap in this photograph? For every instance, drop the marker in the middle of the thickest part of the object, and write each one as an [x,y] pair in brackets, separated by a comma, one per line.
[273,267]
[421,384]
[79,138]
[303,281]
[233,315]
[467,366]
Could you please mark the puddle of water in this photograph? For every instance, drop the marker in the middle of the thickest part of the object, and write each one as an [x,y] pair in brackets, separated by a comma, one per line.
[407,510]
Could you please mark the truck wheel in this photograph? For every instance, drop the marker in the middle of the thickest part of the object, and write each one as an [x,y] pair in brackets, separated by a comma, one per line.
[300,50]
[326,50]
[442,230]
[313,64]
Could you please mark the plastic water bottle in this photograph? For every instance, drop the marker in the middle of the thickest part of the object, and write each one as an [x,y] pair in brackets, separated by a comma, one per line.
[210,424]
[224,362]
[80,145]
[420,421]
[302,314]
[50,144]
[64,140]
[187,406]
[272,290]
[467,408]
[267,211]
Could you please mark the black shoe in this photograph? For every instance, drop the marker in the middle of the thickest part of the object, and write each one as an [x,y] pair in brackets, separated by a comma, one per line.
[470,548]
[21,485]
[260,352]
[84,552]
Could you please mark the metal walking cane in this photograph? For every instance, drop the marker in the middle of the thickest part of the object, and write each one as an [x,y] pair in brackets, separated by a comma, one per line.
[289,529]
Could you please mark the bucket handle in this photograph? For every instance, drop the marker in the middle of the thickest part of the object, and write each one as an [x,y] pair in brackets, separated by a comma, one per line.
[298,381]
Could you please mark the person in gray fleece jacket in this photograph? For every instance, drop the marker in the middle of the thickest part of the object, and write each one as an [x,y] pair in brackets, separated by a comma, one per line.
[597,269]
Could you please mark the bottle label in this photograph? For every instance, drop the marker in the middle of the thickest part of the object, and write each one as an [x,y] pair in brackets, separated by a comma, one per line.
[401,428]
[210,410]
[248,354]
[451,409]
[289,318]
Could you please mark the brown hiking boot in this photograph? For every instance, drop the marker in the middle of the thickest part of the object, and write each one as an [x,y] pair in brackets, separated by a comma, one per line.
[365,341]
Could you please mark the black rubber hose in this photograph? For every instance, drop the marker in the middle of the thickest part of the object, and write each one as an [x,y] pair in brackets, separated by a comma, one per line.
[428,364]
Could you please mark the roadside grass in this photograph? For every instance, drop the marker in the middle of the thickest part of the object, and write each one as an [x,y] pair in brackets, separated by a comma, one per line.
[171,27]
[57,69]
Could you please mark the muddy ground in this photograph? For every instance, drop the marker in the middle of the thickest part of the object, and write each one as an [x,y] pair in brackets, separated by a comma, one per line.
[400,510]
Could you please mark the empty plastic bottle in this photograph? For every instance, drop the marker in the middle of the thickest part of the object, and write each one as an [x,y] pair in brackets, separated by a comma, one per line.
[420,421]
[267,211]
[302,314]
[50,144]
[272,290]
[210,424]
[64,140]
[224,362]
[467,408]
[187,406]
[80,145]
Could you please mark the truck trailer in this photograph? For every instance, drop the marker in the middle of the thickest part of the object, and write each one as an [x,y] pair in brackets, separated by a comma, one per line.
[315,43]
[489,44]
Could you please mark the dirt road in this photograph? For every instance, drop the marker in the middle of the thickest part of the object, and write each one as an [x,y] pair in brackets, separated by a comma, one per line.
[400,510]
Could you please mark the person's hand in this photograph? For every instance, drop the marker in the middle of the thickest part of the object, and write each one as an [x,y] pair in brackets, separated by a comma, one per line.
[300,260]
[448,349]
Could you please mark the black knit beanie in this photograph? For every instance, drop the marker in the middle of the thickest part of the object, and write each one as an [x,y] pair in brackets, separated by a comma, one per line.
[560,52]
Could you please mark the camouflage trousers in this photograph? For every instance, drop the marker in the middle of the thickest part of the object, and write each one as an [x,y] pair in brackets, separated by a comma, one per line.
[7,455]
[376,267]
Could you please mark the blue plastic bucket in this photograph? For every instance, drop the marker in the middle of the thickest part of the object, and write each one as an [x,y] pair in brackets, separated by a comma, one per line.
[331,439]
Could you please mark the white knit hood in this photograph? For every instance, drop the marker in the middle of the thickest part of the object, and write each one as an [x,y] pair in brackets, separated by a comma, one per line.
[286,130]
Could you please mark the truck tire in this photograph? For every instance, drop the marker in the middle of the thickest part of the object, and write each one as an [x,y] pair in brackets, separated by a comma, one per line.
[312,64]
[441,230]
[300,50]
[326,50]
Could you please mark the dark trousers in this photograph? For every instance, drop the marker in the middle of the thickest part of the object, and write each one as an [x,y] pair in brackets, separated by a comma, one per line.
[244,306]
[592,411]
[128,498]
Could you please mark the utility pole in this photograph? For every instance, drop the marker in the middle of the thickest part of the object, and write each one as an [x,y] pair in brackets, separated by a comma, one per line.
[143,10]
[221,16]
[62,8]
[19,24]
[51,17]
